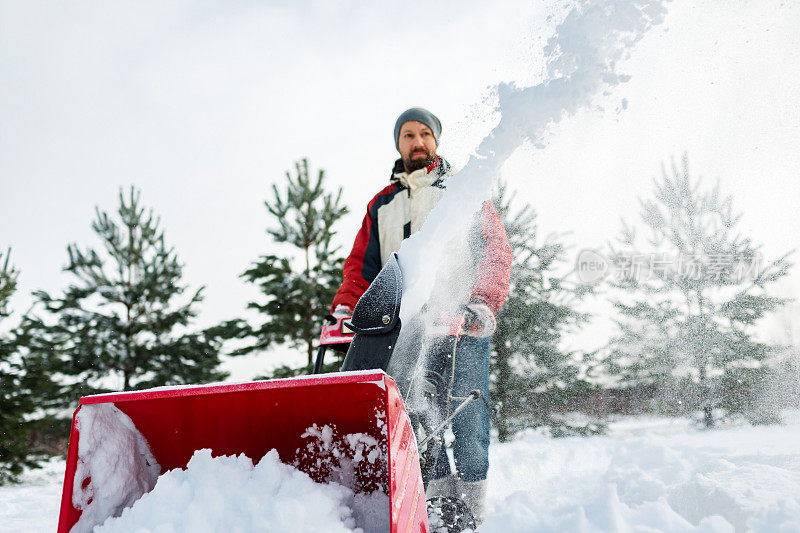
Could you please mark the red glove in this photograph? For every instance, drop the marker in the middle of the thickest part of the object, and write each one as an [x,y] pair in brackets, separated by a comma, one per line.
[479,320]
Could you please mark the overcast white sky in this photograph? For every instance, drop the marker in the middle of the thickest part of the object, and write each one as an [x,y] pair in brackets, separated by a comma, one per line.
[203,104]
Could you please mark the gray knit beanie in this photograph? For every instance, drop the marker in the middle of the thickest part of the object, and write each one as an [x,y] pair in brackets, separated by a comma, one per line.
[420,115]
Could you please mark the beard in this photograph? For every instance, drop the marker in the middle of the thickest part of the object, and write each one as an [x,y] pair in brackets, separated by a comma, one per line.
[419,158]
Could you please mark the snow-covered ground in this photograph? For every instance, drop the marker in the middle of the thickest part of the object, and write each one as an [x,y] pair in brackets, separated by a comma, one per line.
[33,505]
[648,474]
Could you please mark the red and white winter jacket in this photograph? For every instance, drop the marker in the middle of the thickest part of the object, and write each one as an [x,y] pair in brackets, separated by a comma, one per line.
[398,211]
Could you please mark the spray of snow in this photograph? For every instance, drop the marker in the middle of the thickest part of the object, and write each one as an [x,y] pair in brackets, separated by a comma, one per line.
[115,465]
[439,270]
[583,56]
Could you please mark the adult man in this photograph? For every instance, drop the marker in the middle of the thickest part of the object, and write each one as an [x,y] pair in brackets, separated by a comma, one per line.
[477,291]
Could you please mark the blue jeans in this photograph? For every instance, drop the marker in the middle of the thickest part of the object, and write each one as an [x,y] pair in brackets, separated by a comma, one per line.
[470,426]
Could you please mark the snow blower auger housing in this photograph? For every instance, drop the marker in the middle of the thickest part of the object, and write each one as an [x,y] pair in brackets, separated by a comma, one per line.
[244,418]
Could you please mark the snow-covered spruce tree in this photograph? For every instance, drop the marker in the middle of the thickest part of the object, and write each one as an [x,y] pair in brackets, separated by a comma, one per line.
[532,377]
[299,286]
[690,301]
[122,322]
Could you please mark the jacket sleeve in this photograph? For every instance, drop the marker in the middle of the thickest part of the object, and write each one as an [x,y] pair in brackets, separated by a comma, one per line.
[494,263]
[363,263]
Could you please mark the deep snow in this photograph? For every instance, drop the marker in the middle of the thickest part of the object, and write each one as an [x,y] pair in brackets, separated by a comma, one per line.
[228,494]
[648,474]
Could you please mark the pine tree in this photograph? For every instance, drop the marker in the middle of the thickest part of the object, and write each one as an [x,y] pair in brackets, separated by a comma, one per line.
[8,283]
[690,305]
[14,402]
[24,387]
[299,286]
[120,323]
[532,377]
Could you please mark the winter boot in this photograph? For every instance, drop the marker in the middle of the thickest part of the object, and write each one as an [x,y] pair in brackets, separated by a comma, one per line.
[474,495]
[444,487]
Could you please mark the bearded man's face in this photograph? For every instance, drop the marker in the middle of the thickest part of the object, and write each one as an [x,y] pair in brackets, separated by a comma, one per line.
[417,145]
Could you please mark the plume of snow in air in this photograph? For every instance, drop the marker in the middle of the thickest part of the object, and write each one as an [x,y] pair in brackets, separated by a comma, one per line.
[582,61]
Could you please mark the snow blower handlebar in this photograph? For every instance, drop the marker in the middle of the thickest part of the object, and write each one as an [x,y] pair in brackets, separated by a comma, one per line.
[335,334]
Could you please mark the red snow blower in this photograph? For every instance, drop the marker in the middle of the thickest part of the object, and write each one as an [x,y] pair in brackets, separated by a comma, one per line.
[253,418]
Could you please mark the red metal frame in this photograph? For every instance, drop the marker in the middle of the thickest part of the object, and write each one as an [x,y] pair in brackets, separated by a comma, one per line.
[253,418]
